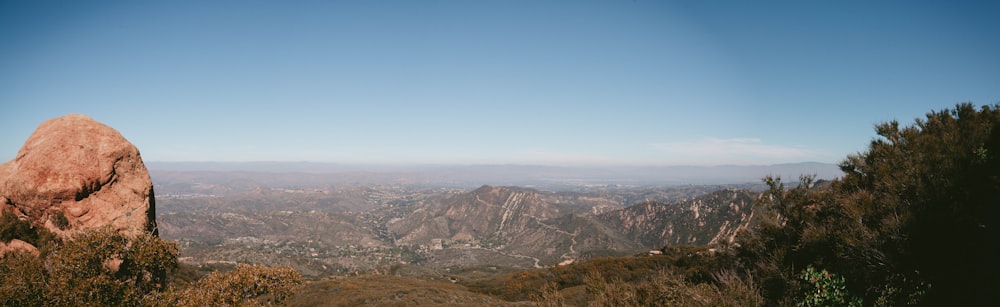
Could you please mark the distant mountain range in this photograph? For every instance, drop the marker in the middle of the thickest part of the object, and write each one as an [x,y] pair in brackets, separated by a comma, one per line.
[545,177]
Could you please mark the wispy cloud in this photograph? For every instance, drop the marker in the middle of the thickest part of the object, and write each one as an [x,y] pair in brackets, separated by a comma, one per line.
[714,151]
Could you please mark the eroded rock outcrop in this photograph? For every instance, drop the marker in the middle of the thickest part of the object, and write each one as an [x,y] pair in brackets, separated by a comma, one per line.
[74,173]
[710,219]
[16,245]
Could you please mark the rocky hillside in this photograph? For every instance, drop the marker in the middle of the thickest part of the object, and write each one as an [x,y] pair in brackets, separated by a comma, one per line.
[486,214]
[74,173]
[709,219]
[525,222]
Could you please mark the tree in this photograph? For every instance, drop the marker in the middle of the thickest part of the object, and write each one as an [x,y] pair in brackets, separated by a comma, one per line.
[913,219]
[936,188]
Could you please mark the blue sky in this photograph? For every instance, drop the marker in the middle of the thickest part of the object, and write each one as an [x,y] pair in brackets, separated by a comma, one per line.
[506,82]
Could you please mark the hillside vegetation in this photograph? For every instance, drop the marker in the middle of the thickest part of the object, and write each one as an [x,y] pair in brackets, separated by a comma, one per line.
[105,268]
[912,221]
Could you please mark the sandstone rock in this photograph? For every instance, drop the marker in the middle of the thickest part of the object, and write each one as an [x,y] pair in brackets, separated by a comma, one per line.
[16,245]
[74,173]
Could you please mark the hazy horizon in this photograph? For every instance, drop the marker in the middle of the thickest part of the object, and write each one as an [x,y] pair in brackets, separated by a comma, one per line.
[504,175]
[420,164]
[581,83]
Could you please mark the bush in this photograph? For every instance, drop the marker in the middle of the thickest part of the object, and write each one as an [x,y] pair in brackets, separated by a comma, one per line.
[245,285]
[59,219]
[106,268]
[913,220]
[668,288]
[825,289]
[12,227]
[22,280]
[98,267]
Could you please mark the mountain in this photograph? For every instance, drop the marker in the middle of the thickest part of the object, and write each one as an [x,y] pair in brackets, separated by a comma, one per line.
[505,219]
[706,220]
[485,214]
[527,222]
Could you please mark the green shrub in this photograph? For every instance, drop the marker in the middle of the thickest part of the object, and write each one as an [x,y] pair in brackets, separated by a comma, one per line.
[825,289]
[59,219]
[12,227]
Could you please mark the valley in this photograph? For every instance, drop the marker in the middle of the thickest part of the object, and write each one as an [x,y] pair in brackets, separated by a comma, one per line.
[325,229]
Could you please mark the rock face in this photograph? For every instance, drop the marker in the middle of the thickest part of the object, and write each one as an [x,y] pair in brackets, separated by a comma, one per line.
[516,222]
[74,173]
[16,245]
[710,219]
[488,213]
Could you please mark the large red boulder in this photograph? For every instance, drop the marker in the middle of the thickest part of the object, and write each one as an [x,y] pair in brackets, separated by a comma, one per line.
[74,173]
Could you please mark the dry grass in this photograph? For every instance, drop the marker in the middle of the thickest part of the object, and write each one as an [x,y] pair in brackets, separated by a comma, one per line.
[386,290]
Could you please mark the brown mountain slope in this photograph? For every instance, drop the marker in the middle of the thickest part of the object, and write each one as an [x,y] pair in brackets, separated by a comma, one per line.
[710,219]
[490,215]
